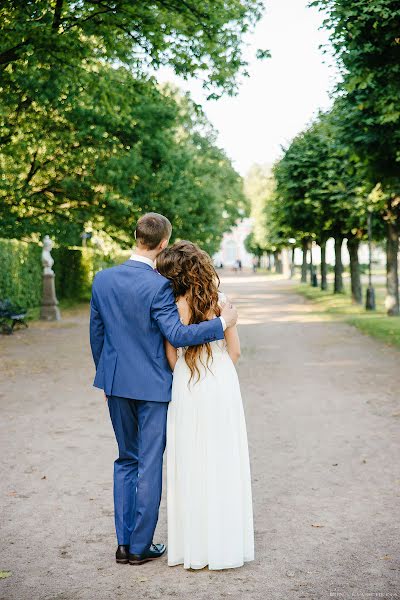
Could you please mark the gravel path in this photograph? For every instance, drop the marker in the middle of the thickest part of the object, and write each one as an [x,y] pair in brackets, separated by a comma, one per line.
[323,415]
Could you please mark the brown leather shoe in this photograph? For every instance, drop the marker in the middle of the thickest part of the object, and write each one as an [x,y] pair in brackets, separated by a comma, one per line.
[122,555]
[155,551]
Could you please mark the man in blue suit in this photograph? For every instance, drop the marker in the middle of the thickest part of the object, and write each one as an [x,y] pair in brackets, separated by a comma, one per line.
[132,311]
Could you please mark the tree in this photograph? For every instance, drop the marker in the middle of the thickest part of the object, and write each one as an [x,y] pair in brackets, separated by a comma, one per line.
[367,45]
[119,148]
[197,189]
[294,212]
[54,39]
[320,195]
[86,133]
[266,237]
[258,185]
[96,147]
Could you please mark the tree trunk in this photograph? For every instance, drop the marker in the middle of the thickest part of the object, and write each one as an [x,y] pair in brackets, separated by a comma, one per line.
[304,245]
[278,261]
[292,265]
[338,285]
[311,265]
[324,282]
[57,15]
[269,261]
[392,271]
[355,276]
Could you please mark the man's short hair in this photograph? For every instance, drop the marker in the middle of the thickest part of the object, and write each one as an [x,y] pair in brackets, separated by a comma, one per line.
[152,229]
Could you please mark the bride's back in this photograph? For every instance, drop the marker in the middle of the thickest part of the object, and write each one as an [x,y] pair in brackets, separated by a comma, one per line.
[185,312]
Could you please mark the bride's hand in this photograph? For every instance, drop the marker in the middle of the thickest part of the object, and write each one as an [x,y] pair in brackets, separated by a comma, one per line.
[229,313]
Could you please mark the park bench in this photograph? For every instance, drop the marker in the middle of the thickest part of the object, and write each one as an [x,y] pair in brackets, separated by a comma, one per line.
[10,316]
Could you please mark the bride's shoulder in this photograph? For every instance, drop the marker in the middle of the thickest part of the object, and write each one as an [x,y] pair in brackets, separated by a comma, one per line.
[183,309]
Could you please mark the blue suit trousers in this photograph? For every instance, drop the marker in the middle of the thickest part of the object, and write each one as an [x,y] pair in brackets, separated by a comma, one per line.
[140,431]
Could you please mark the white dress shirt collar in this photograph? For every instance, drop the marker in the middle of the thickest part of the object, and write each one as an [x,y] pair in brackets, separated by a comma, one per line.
[143,259]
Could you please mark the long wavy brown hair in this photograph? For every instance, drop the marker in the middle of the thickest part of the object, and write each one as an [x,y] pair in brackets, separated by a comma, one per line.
[193,276]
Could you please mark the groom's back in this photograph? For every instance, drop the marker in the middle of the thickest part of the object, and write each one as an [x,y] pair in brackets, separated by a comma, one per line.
[132,362]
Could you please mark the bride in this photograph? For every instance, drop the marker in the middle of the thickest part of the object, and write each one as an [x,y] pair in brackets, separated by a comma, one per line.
[210,517]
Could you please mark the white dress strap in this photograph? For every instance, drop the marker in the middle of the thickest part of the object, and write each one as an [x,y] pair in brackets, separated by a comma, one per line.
[221,298]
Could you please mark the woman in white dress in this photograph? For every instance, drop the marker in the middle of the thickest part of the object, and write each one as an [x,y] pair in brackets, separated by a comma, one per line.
[210,516]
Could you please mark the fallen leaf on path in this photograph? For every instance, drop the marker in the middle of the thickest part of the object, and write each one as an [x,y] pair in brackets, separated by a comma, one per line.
[316,525]
[4,574]
[335,464]
[44,477]
[386,557]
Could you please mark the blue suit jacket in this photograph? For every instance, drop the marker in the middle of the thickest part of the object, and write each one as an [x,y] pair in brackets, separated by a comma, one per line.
[132,310]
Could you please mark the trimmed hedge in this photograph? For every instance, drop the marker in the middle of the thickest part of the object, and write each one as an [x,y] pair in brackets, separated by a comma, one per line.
[21,271]
[75,269]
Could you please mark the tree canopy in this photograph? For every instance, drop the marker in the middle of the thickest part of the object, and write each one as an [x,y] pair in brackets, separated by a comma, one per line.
[88,135]
[365,38]
[203,39]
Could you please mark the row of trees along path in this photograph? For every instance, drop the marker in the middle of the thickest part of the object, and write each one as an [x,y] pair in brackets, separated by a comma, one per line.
[344,167]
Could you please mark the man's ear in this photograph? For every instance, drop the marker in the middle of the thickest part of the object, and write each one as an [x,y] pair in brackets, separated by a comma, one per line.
[164,244]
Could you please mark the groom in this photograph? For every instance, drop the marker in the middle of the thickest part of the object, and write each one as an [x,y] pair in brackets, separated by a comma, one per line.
[132,310]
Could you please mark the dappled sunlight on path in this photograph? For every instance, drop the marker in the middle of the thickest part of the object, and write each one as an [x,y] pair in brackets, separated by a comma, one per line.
[259,300]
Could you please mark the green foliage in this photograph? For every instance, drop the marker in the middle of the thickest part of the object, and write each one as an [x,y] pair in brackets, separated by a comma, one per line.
[267,235]
[337,306]
[293,210]
[75,269]
[321,189]
[251,245]
[21,273]
[157,152]
[87,135]
[202,39]
[196,187]
[346,163]
[257,187]
[365,37]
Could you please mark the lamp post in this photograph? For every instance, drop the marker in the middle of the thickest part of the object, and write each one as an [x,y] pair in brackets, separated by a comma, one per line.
[313,274]
[292,242]
[370,296]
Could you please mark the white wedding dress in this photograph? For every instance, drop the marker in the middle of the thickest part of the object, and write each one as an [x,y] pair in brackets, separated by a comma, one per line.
[210,515]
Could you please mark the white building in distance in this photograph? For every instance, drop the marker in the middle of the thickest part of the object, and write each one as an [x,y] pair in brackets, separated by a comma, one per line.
[232,246]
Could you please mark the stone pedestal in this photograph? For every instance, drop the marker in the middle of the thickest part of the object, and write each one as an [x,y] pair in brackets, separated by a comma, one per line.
[49,310]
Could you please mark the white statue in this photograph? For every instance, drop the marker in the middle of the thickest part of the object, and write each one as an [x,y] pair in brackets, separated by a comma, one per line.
[47,259]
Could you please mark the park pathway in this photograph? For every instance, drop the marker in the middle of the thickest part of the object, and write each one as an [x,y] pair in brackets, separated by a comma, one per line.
[323,415]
